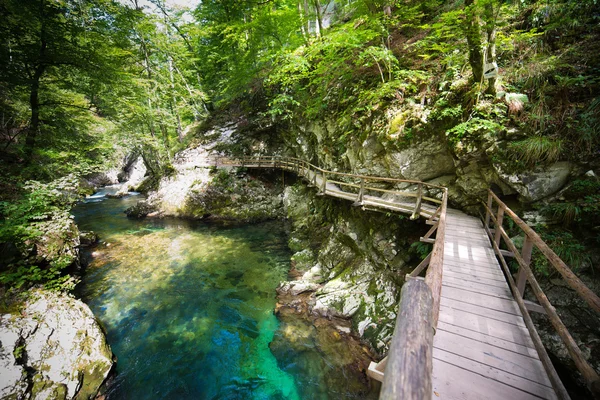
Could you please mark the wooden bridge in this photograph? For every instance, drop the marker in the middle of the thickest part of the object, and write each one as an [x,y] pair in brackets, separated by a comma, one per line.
[464,330]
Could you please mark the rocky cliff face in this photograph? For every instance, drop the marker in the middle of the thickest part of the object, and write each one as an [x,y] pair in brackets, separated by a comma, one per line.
[468,167]
[53,349]
[352,262]
[196,189]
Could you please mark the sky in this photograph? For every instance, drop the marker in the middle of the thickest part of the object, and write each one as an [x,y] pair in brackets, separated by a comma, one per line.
[170,3]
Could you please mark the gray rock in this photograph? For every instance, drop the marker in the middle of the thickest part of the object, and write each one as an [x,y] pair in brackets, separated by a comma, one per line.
[140,210]
[541,182]
[87,238]
[422,161]
[53,349]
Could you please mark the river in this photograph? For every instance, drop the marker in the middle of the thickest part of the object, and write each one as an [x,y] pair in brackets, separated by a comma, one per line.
[188,308]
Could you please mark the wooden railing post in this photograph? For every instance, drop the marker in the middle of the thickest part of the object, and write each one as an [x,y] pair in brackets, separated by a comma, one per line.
[498,226]
[526,255]
[489,207]
[361,193]
[410,362]
[417,210]
[324,183]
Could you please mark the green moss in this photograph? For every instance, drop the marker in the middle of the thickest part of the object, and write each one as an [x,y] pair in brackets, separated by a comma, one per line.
[93,376]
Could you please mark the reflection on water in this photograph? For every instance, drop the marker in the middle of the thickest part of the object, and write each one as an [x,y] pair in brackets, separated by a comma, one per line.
[188,307]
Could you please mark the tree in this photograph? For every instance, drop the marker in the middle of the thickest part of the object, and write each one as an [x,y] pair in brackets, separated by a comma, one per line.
[51,46]
[479,12]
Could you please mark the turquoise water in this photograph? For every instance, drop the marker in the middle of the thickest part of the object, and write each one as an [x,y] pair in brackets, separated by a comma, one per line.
[188,310]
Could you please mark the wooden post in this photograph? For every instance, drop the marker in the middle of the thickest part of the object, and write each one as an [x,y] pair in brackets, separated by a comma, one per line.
[409,364]
[489,207]
[361,193]
[417,210]
[526,254]
[498,226]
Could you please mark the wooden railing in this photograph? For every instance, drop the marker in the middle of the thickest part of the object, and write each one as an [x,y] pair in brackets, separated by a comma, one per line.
[525,275]
[367,191]
[406,371]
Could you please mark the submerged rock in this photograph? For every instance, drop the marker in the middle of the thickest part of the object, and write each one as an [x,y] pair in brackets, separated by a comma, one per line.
[140,210]
[87,238]
[54,349]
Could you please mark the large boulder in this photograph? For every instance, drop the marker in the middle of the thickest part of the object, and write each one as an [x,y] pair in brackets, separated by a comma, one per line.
[539,183]
[53,349]
[422,161]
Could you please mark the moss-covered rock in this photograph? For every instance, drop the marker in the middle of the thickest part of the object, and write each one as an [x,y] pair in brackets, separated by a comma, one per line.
[54,349]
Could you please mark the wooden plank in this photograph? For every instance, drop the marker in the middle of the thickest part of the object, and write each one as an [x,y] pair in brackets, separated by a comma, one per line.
[471,259]
[472,242]
[474,273]
[465,250]
[465,225]
[482,311]
[503,292]
[453,379]
[475,267]
[490,301]
[472,278]
[462,234]
[492,327]
[515,364]
[490,340]
[487,265]
[485,291]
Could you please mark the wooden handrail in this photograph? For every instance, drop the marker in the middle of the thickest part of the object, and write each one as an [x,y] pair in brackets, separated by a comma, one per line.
[572,280]
[410,361]
[434,273]
[526,275]
[293,161]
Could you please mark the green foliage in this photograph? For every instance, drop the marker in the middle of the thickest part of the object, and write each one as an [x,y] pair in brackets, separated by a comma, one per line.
[536,149]
[40,212]
[473,129]
[41,202]
[53,277]
[581,205]
[566,246]
[444,110]
[588,128]
[421,249]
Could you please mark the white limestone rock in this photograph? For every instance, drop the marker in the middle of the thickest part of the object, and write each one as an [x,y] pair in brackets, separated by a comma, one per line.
[54,349]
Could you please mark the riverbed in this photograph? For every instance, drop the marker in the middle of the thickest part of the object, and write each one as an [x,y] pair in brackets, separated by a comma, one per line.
[188,308]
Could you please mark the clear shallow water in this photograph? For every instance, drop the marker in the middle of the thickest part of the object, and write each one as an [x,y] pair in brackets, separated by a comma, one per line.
[188,310]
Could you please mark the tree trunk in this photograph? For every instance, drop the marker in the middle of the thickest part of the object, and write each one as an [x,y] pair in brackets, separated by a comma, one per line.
[473,34]
[34,94]
[490,27]
[319,19]
[34,104]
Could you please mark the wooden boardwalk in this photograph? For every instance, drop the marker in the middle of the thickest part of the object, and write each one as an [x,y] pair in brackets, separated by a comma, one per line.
[485,344]
[482,348]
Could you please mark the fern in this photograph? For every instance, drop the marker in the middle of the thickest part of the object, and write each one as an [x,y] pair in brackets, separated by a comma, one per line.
[536,149]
